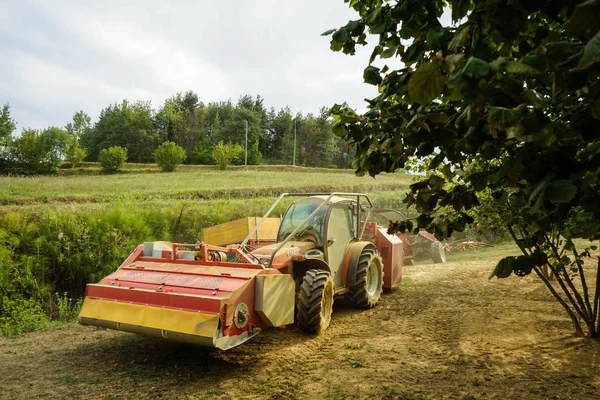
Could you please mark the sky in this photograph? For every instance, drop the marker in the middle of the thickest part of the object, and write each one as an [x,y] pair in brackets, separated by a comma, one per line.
[61,56]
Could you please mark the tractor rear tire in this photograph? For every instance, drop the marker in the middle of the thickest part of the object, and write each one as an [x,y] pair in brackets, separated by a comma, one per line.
[315,301]
[438,253]
[366,292]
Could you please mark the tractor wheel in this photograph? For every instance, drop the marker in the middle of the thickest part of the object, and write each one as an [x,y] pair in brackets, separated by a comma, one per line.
[369,280]
[315,301]
[438,253]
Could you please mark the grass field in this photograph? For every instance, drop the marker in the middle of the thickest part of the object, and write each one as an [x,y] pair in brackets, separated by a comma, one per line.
[192,184]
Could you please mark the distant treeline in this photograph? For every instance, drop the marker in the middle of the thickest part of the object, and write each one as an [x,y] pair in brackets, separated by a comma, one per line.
[184,119]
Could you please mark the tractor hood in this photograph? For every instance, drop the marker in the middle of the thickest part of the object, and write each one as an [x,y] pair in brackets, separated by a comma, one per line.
[284,255]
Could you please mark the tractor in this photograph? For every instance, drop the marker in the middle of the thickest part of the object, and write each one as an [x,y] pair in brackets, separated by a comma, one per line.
[221,296]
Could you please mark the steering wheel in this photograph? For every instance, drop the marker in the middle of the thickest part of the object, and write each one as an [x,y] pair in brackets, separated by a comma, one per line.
[310,234]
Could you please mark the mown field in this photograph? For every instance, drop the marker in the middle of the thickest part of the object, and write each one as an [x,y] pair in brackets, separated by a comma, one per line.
[445,333]
[200,184]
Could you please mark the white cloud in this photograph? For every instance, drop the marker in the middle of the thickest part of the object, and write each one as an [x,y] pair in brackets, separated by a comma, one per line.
[62,56]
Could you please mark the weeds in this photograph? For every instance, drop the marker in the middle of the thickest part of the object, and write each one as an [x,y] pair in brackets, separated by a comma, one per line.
[68,309]
[21,315]
[355,363]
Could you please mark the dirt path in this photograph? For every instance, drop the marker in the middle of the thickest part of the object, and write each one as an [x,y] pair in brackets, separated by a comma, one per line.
[447,333]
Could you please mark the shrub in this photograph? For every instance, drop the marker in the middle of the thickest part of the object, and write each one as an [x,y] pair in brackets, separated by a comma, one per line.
[75,154]
[112,159]
[38,152]
[21,315]
[68,309]
[224,154]
[168,156]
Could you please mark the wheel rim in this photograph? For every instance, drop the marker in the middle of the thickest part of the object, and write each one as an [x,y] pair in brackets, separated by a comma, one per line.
[372,278]
[326,305]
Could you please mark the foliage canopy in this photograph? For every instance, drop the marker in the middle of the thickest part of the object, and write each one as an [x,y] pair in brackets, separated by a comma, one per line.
[504,102]
[224,153]
[169,156]
[112,159]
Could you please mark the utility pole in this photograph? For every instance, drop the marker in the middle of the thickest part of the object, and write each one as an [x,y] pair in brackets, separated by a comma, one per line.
[246,157]
[294,162]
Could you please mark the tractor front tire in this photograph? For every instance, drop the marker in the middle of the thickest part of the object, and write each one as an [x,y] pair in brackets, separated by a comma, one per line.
[366,291]
[315,301]
[438,253]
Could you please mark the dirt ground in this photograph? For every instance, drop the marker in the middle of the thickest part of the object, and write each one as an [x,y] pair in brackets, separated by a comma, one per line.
[447,333]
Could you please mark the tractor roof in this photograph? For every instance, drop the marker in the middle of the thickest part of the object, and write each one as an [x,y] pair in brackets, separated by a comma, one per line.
[334,199]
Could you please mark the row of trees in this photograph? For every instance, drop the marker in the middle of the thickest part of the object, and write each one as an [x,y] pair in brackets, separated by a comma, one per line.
[184,120]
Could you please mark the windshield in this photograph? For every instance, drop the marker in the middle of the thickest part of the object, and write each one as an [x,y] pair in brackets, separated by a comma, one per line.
[298,213]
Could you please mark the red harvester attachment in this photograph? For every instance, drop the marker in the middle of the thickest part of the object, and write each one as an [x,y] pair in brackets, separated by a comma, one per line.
[220,297]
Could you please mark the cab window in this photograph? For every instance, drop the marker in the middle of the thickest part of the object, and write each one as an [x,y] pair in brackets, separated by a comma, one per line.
[298,213]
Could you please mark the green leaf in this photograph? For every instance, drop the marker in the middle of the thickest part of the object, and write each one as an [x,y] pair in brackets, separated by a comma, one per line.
[329,32]
[336,46]
[372,17]
[561,191]
[500,117]
[437,118]
[339,129]
[476,68]
[459,9]
[504,268]
[584,21]
[591,53]
[436,182]
[521,69]
[595,109]
[538,258]
[341,35]
[536,61]
[461,35]
[423,220]
[371,75]
[426,83]
[522,266]
[389,52]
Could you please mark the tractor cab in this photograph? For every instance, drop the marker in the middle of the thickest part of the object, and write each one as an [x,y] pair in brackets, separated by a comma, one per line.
[298,215]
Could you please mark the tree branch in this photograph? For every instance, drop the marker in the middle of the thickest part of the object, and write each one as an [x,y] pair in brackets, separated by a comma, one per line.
[578,303]
[586,295]
[572,315]
[574,318]
[597,299]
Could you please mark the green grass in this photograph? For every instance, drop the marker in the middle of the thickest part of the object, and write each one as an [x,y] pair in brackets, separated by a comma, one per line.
[192,184]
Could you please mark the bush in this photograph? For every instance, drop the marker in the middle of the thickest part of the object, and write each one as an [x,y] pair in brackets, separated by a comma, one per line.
[21,315]
[112,159]
[38,152]
[75,154]
[68,309]
[168,156]
[224,154]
